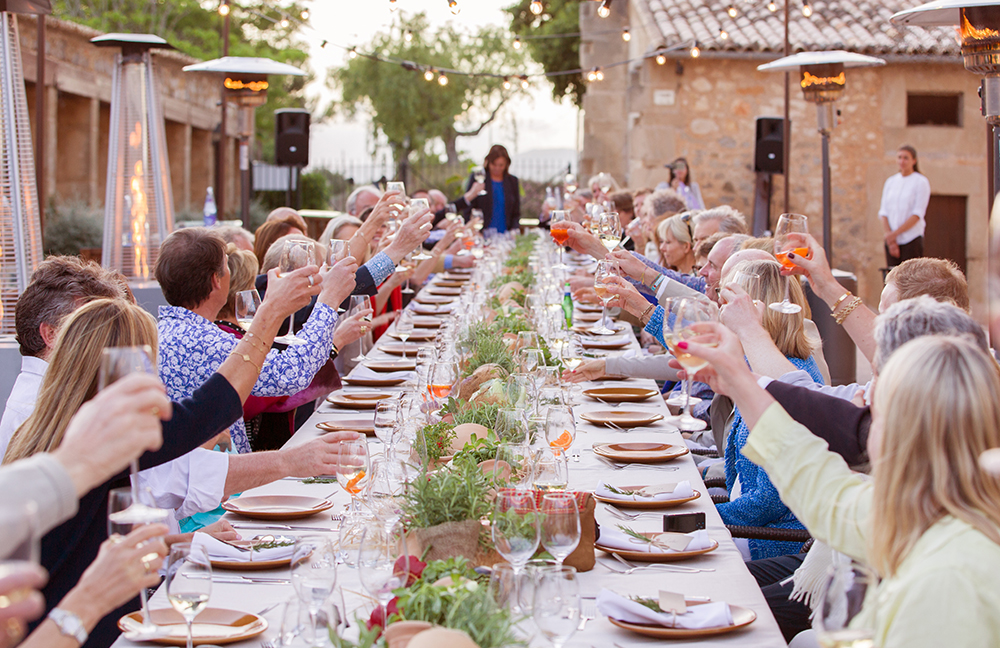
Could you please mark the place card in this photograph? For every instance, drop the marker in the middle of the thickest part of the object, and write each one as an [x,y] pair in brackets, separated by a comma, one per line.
[658,489]
[672,541]
[673,602]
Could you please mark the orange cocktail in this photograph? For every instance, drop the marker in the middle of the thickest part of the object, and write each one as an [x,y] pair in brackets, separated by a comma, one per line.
[783,256]
[560,233]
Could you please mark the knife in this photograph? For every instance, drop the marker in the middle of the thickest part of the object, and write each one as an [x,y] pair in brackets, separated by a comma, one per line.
[285,527]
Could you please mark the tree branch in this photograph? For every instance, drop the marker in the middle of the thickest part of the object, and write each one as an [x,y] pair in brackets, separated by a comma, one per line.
[486,123]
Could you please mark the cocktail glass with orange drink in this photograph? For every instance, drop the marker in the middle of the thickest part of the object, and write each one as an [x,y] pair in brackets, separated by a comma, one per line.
[783,244]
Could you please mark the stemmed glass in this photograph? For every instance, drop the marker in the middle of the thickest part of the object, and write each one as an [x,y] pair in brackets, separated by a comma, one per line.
[396,186]
[479,175]
[783,244]
[559,230]
[560,525]
[357,304]
[609,230]
[417,205]
[444,374]
[404,329]
[338,250]
[516,527]
[386,415]
[606,269]
[353,464]
[314,574]
[560,428]
[688,312]
[557,604]
[384,487]
[189,582]
[116,363]
[550,472]
[295,255]
[407,263]
[839,620]
[247,303]
[378,556]
[604,183]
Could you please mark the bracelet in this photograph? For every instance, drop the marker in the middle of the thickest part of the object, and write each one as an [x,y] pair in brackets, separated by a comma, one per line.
[656,282]
[253,339]
[642,277]
[649,309]
[334,351]
[836,305]
[847,310]
[246,358]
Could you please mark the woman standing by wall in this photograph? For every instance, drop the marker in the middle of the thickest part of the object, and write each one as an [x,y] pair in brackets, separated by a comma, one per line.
[501,202]
[904,204]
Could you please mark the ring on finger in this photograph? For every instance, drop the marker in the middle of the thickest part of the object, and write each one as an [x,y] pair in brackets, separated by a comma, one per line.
[312,282]
[147,562]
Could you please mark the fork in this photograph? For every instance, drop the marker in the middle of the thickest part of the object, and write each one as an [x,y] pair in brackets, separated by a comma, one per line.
[632,568]
[267,644]
[622,515]
[621,466]
[588,612]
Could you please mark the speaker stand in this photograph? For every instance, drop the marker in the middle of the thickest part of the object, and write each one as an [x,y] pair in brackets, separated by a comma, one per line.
[762,203]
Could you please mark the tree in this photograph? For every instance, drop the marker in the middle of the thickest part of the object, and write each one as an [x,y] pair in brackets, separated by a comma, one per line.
[558,54]
[195,28]
[412,113]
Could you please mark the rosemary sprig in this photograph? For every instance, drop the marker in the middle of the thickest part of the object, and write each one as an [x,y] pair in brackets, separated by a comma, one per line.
[320,480]
[635,534]
[618,491]
[274,544]
[652,604]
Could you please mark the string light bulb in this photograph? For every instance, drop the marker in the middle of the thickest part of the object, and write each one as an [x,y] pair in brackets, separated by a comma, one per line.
[506,83]
[408,36]
[592,75]
[517,42]
[323,44]
[660,59]
[284,22]
[429,74]
[224,9]
[695,50]
[723,34]
[626,36]
[351,53]
[772,6]
[536,7]
[304,14]
[455,9]
[732,11]
[442,80]
[807,9]
[605,9]
[524,81]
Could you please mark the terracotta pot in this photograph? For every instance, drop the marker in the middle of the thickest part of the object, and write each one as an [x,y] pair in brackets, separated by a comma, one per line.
[398,634]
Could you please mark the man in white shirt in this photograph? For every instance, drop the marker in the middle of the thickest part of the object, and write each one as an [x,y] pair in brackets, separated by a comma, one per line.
[904,206]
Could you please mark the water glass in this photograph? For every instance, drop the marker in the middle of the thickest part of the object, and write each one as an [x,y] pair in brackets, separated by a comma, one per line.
[314,574]
[550,471]
[560,525]
[557,604]
[516,527]
[189,582]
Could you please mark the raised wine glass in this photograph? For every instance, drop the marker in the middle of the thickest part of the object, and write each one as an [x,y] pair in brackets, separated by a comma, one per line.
[189,582]
[783,244]
[338,250]
[479,175]
[606,269]
[604,183]
[247,303]
[560,525]
[396,186]
[842,619]
[314,574]
[118,362]
[609,230]
[417,205]
[687,313]
[357,304]
[295,255]
[559,230]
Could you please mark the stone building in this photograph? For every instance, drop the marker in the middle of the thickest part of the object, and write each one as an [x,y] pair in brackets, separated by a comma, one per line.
[77,117]
[644,114]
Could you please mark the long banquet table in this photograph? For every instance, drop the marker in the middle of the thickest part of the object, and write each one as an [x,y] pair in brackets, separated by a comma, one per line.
[730,581]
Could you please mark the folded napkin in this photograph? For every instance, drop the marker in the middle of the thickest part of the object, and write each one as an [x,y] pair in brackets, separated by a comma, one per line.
[707,615]
[614,538]
[366,373]
[606,341]
[681,490]
[219,551]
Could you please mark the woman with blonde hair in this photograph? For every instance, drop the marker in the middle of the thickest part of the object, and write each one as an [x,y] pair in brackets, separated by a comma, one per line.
[675,241]
[928,520]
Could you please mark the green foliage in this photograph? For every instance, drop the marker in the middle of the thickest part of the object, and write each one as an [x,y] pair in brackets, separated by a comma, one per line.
[487,347]
[72,226]
[525,277]
[555,54]
[484,414]
[412,113]
[434,441]
[456,566]
[463,605]
[478,450]
[453,494]
[367,638]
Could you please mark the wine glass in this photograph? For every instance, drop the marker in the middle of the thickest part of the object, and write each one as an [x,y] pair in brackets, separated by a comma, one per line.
[338,250]
[189,582]
[688,312]
[406,263]
[22,531]
[783,244]
[417,205]
[559,230]
[444,375]
[356,304]
[118,362]
[386,413]
[404,329]
[396,186]
[295,255]
[560,525]
[604,183]
[560,428]
[384,489]
[527,340]
[479,175]
[314,574]
[840,618]
[352,465]
[381,550]
[557,604]
[247,303]
[516,527]
[550,471]
[606,269]
[570,182]
[609,230]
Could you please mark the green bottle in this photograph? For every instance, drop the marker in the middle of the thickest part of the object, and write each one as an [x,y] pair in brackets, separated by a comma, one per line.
[567,305]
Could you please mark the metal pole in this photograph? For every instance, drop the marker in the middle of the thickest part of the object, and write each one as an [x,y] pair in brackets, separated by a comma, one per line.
[827,200]
[220,165]
[786,138]
[40,121]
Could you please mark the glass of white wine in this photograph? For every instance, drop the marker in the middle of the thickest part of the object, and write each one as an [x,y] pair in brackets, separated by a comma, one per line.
[609,230]
[686,313]
[479,175]
[247,303]
[357,304]
[295,255]
[404,329]
[396,186]
[189,582]
[605,270]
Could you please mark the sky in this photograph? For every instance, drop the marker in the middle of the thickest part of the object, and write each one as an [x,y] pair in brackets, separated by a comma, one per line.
[526,126]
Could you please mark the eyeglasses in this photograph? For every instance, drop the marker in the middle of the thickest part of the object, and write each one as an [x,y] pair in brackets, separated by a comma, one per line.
[686,219]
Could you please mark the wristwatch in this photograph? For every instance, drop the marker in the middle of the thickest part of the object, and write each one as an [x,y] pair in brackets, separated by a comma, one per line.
[69,624]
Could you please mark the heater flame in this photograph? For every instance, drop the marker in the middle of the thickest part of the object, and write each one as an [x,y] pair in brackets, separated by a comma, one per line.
[140,209]
[809,80]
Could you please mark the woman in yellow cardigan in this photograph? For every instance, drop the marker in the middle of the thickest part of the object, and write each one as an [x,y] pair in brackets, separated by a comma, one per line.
[929,519]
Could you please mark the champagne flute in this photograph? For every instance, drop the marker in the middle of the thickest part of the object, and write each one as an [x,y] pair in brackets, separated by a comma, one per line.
[557,604]
[404,329]
[352,466]
[417,205]
[479,175]
[295,255]
[560,525]
[247,303]
[609,230]
[516,527]
[381,550]
[314,574]
[559,230]
[605,270]
[189,582]
[841,620]
[128,509]
[688,312]
[356,304]
[560,428]
[783,244]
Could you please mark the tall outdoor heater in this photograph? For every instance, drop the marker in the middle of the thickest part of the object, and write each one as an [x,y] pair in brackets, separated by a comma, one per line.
[823,80]
[138,201]
[245,84]
[20,224]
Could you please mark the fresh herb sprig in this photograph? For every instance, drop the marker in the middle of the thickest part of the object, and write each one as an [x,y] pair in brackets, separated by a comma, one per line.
[453,494]
[320,480]
[634,534]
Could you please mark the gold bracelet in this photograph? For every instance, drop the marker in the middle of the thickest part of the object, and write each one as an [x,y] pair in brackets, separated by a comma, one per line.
[642,277]
[246,358]
[649,309]
[836,305]
[847,310]
[253,339]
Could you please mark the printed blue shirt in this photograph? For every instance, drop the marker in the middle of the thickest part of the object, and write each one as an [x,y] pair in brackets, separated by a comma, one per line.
[191,349]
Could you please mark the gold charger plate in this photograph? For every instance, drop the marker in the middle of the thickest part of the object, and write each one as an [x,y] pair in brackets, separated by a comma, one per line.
[416,336]
[586,317]
[246,565]
[456,277]
[366,426]
[589,308]
[432,309]
[620,394]
[357,401]
[399,348]
[449,283]
[621,418]
[433,299]
[277,507]
[656,556]
[647,504]
[742,617]
[446,291]
[212,626]
[640,452]
[374,382]
[427,322]
[603,343]
[388,366]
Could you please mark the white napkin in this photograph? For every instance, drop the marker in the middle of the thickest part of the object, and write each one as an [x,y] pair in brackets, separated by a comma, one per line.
[707,615]
[606,341]
[219,551]
[366,373]
[614,538]
[682,490]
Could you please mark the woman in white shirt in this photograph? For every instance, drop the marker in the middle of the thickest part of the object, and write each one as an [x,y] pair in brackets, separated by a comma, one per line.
[904,205]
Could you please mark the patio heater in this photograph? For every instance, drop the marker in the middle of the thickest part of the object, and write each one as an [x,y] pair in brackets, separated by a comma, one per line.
[138,202]
[823,81]
[20,224]
[245,84]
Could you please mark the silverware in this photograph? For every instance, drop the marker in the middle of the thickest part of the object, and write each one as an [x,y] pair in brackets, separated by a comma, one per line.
[236,580]
[268,609]
[283,527]
[668,566]
[266,644]
[622,515]
[588,612]
[621,465]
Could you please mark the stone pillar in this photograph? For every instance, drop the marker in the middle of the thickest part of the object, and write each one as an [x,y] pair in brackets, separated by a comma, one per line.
[51,143]
[186,200]
[96,189]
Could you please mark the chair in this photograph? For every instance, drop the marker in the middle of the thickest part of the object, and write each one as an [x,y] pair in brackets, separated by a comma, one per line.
[759,533]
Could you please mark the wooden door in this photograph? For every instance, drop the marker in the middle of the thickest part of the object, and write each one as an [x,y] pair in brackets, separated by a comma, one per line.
[944,237]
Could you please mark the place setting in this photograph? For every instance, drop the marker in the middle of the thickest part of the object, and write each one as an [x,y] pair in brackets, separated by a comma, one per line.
[364,376]
[619,395]
[357,400]
[646,497]
[623,542]
[621,419]
[670,615]
[277,507]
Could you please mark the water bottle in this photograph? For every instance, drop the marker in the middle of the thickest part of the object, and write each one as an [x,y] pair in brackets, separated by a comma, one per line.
[210,213]
[567,306]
